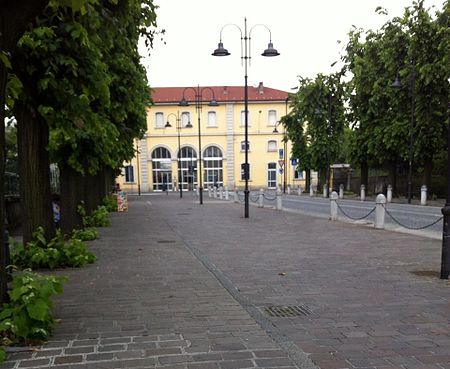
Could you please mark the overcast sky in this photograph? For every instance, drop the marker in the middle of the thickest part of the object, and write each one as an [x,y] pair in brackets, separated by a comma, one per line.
[305,32]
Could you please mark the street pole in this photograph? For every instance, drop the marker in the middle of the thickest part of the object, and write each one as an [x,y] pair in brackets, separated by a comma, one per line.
[199,110]
[137,164]
[179,157]
[445,260]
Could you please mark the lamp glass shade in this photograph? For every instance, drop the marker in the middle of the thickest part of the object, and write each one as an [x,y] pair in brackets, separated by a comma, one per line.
[168,125]
[213,102]
[270,51]
[183,102]
[396,83]
[188,125]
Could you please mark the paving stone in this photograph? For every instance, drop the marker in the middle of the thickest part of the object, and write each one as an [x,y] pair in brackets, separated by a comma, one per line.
[68,359]
[237,364]
[33,363]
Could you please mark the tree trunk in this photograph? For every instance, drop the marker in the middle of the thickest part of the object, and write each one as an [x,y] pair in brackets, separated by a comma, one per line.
[93,193]
[365,175]
[307,179]
[12,25]
[72,194]
[428,170]
[392,176]
[35,190]
[3,251]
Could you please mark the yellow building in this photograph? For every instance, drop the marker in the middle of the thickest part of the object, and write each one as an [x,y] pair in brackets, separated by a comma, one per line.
[182,119]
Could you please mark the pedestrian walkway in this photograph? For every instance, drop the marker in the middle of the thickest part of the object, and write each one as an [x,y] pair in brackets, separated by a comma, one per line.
[179,285]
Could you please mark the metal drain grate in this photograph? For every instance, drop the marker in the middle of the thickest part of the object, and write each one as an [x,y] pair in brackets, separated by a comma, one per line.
[282,311]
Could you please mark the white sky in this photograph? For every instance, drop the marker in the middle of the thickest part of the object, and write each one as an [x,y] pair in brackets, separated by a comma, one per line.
[305,32]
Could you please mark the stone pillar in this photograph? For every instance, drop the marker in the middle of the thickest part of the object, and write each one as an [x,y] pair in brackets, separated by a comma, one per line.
[215,192]
[221,194]
[227,194]
[363,193]
[341,191]
[423,195]
[288,190]
[261,198]
[279,201]
[380,211]
[311,191]
[389,193]
[236,195]
[333,206]
[324,190]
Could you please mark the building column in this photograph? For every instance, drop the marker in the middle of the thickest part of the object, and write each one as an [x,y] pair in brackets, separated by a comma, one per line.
[143,164]
[230,147]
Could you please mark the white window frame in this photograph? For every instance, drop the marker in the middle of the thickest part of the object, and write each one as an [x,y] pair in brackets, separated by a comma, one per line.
[243,146]
[185,118]
[269,172]
[212,119]
[272,145]
[159,120]
[243,118]
[129,174]
[272,117]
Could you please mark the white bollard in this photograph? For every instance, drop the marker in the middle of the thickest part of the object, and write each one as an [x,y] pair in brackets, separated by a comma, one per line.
[288,190]
[227,194]
[215,192]
[311,191]
[389,194]
[279,201]
[380,211]
[333,206]
[423,195]
[363,193]
[300,190]
[341,191]
[324,190]
[209,191]
[236,195]
[221,194]
[261,198]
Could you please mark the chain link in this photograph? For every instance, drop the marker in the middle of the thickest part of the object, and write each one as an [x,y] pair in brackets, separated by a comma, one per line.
[355,218]
[409,227]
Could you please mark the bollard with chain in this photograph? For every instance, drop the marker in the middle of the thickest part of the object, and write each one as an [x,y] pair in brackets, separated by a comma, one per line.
[236,195]
[261,198]
[288,190]
[333,206]
[214,191]
[227,194]
[423,195]
[363,193]
[341,191]
[279,201]
[311,190]
[221,194]
[389,193]
[380,211]
[324,190]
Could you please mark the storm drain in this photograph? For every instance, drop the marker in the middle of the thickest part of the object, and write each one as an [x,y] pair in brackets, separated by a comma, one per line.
[166,241]
[283,311]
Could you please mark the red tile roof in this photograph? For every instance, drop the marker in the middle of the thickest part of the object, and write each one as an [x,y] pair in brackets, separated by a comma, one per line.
[168,95]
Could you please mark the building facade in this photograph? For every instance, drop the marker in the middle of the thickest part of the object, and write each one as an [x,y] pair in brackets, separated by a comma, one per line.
[186,124]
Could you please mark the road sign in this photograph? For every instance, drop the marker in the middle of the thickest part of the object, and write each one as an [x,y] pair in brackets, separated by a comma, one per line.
[280,170]
[281,163]
[294,162]
[280,153]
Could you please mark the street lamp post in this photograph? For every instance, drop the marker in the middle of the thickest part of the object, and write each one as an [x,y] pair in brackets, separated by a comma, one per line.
[412,84]
[178,126]
[137,165]
[198,92]
[245,58]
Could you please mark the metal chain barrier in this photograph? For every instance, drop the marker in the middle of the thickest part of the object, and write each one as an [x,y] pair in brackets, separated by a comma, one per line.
[355,218]
[269,198]
[241,199]
[410,227]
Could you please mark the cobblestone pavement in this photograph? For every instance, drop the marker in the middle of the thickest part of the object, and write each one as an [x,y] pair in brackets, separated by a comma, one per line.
[179,285]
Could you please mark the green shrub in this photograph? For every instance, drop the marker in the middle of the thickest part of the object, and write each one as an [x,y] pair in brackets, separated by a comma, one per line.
[99,217]
[87,234]
[110,202]
[58,252]
[28,315]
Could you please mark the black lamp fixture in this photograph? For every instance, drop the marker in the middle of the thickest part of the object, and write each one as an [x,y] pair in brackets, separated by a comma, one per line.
[198,94]
[245,57]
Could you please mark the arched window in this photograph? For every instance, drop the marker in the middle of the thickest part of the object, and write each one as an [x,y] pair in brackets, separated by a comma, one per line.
[188,165]
[161,169]
[213,164]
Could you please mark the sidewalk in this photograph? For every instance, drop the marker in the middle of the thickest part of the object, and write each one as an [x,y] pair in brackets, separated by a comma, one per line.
[179,285]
